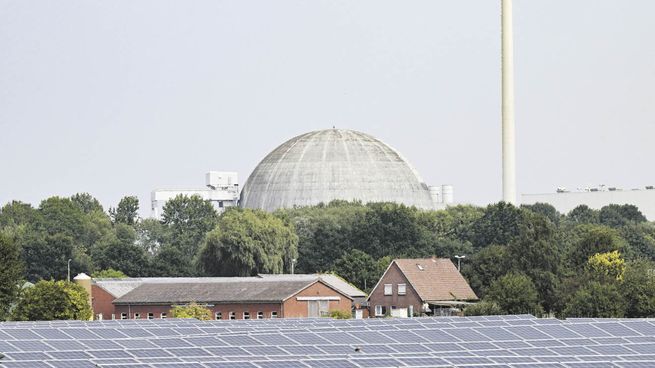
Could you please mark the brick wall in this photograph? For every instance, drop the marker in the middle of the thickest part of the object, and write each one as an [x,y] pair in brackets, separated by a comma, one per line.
[294,308]
[101,302]
[394,277]
[224,309]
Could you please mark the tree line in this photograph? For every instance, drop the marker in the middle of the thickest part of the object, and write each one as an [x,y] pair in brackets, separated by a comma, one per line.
[528,259]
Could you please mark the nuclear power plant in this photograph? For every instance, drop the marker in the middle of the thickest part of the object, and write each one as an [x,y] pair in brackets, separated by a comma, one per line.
[319,167]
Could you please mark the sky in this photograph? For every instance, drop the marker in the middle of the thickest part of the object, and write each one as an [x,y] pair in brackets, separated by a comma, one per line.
[122,97]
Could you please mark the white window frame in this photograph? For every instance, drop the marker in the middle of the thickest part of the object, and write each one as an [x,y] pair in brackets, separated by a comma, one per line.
[150,315]
[232,315]
[402,289]
[162,315]
[246,315]
[123,315]
[260,315]
[274,314]
[218,315]
[388,289]
[137,316]
[378,311]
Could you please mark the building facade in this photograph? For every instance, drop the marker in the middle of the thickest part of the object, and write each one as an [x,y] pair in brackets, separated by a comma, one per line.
[414,287]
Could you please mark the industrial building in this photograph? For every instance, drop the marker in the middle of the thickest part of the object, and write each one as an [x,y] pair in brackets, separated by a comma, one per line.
[319,167]
[221,189]
[414,287]
[596,198]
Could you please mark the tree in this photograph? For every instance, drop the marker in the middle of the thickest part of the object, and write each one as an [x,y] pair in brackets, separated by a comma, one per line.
[127,211]
[499,225]
[16,213]
[641,240]
[583,215]
[188,220]
[486,266]
[615,215]
[593,239]
[596,300]
[191,310]
[609,265]
[118,251]
[358,268]
[109,273]
[545,209]
[46,256]
[150,235]
[61,216]
[86,203]
[53,300]
[11,273]
[638,289]
[247,242]
[515,294]
[171,262]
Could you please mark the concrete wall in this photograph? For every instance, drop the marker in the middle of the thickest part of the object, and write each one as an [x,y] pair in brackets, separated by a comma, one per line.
[394,277]
[565,202]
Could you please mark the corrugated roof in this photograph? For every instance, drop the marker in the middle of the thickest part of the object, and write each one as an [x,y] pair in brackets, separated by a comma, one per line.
[435,279]
[240,291]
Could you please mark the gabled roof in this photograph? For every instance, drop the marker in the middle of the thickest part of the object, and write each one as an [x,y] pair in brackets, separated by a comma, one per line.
[330,279]
[435,279]
[238,290]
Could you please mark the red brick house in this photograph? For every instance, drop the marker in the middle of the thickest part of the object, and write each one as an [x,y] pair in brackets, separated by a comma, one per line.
[238,298]
[412,287]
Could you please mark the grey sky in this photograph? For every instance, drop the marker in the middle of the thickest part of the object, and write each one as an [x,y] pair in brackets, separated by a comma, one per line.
[121,97]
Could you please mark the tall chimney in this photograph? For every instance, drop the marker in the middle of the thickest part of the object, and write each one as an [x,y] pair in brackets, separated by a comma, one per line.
[509,144]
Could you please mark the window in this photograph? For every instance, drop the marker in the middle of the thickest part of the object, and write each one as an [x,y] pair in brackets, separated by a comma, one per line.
[151,315]
[232,315]
[123,315]
[260,315]
[378,310]
[162,316]
[246,315]
[113,316]
[388,289]
[218,315]
[137,315]
[402,289]
[273,314]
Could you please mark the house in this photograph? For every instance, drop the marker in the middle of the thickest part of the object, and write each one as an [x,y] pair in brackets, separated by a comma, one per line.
[411,287]
[109,296]
[251,298]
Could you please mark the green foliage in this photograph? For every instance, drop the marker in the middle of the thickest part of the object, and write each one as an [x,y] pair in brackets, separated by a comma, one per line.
[191,310]
[171,262]
[485,266]
[109,273]
[188,220]
[127,211]
[150,235]
[546,210]
[515,294]
[499,225]
[11,273]
[16,213]
[340,314]
[596,300]
[359,268]
[594,239]
[615,215]
[247,242]
[46,256]
[638,289]
[483,308]
[86,203]
[607,265]
[118,251]
[583,215]
[53,300]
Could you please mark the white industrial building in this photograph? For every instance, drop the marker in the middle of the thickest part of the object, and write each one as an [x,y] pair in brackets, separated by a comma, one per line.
[222,190]
[564,201]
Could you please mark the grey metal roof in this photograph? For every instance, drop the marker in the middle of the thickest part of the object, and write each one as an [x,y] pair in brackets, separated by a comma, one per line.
[225,291]
[331,164]
[331,279]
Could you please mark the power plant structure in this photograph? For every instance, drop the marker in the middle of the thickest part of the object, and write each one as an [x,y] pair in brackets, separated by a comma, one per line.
[319,167]
[509,136]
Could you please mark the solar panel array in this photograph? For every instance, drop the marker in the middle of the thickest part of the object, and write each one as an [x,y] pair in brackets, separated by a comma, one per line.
[491,341]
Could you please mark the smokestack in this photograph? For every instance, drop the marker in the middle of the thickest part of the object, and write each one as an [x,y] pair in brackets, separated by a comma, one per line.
[509,144]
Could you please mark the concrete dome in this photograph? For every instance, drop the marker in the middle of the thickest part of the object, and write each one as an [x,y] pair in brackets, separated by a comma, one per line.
[333,164]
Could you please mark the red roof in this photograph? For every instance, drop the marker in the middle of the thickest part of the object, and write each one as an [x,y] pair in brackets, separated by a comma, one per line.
[435,279]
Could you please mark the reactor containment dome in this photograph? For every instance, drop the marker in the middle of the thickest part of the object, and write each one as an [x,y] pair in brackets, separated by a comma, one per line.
[325,165]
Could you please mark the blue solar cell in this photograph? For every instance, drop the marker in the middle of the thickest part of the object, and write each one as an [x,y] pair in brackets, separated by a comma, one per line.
[330,363]
[527,333]
[29,345]
[616,329]
[230,365]
[239,340]
[422,361]
[72,364]
[80,333]
[170,343]
[109,354]
[376,362]
[69,355]
[9,364]
[22,334]
[281,364]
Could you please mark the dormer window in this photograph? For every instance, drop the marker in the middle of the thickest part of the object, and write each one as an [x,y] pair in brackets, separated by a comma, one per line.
[420,267]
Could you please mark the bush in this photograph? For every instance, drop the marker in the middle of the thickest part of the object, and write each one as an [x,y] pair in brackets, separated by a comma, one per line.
[483,309]
[340,314]
[110,273]
[53,300]
[515,293]
[191,310]
[596,300]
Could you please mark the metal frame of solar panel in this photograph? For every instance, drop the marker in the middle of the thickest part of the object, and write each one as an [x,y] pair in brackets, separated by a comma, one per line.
[493,341]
